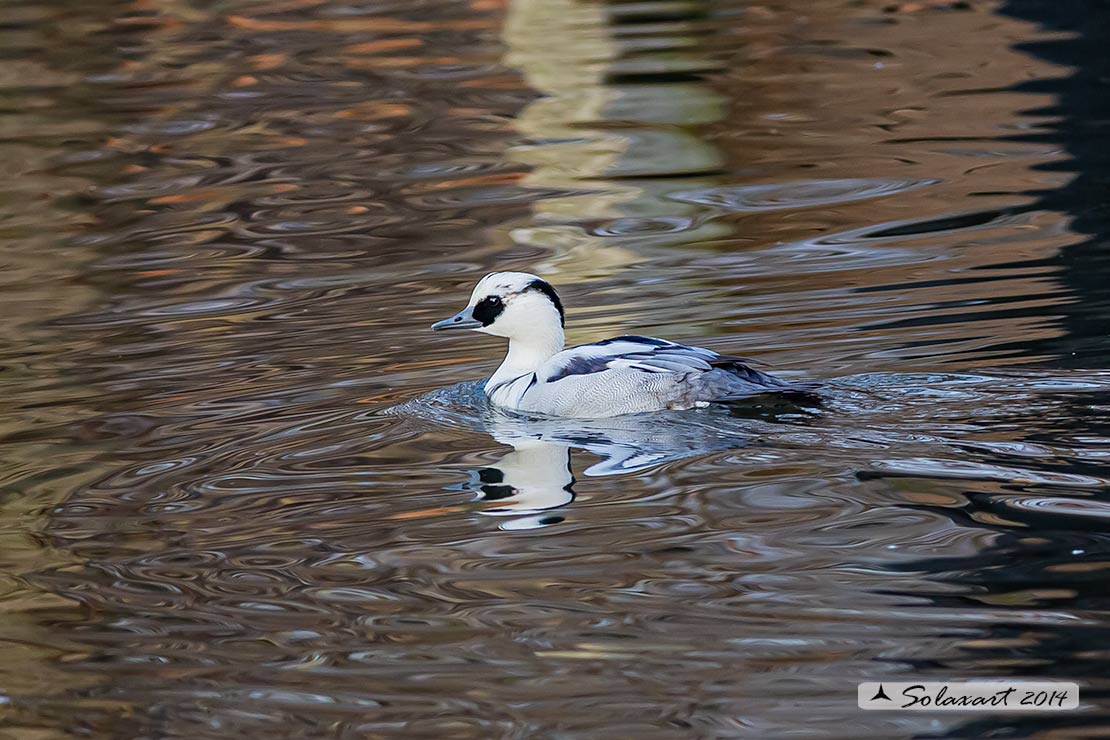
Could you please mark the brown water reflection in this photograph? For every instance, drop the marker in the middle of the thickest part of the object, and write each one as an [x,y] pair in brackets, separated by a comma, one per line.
[231,510]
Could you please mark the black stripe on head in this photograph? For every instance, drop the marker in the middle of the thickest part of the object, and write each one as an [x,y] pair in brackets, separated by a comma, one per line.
[488,309]
[544,287]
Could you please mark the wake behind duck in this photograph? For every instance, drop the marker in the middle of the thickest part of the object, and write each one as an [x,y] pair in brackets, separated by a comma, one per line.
[622,375]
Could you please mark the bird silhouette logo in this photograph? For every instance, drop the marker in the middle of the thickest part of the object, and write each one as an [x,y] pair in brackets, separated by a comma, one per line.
[881,694]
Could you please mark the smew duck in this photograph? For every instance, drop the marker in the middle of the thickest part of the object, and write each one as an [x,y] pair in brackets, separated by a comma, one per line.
[622,375]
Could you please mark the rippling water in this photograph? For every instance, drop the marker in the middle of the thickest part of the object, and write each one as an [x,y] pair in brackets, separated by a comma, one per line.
[247,494]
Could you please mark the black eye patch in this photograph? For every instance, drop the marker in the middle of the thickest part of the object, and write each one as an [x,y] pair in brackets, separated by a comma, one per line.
[488,309]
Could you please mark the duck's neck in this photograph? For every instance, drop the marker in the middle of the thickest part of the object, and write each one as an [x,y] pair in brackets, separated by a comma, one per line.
[527,354]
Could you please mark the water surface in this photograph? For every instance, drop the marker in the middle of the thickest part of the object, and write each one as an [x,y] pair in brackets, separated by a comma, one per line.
[246,493]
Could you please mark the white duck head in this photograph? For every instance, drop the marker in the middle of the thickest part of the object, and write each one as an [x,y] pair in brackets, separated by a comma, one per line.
[508,304]
[517,305]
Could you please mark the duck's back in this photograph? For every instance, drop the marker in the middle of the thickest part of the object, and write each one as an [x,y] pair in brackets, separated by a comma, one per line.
[633,374]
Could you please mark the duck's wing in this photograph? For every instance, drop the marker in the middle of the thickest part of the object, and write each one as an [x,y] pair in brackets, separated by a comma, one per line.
[633,353]
[631,374]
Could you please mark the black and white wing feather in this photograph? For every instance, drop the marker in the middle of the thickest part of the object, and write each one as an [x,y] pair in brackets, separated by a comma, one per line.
[643,354]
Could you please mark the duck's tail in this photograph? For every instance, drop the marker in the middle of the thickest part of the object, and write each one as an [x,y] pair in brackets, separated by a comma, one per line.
[732,379]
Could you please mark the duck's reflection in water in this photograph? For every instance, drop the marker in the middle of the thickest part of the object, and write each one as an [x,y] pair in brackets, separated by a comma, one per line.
[533,484]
